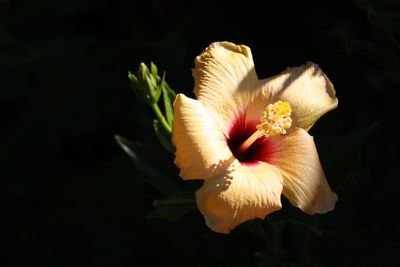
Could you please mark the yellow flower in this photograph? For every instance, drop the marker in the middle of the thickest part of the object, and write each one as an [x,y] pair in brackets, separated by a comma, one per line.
[247,138]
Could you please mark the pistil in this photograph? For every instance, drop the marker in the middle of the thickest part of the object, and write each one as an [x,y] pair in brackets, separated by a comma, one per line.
[249,141]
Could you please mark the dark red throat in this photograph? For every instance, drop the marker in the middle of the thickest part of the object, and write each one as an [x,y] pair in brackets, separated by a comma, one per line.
[260,151]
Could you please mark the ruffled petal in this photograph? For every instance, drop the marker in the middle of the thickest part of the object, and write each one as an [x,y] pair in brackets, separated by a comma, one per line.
[306,88]
[201,148]
[241,194]
[305,184]
[224,77]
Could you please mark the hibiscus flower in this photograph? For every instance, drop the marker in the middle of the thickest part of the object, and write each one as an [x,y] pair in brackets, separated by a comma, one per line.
[248,140]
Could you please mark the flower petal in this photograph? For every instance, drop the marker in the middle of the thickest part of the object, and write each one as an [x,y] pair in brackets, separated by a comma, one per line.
[224,78]
[304,180]
[201,148]
[306,88]
[241,194]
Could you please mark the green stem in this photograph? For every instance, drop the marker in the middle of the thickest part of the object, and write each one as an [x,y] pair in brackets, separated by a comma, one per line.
[157,202]
[161,117]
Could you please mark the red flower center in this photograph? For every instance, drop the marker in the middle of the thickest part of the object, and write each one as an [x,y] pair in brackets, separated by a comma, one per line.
[261,150]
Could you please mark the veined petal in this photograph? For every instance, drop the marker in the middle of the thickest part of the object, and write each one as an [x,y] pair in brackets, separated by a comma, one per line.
[306,88]
[224,78]
[201,148]
[241,194]
[304,180]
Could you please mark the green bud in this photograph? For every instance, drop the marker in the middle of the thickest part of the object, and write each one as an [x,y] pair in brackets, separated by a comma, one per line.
[146,84]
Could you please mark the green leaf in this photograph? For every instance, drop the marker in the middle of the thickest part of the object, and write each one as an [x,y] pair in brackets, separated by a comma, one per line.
[290,214]
[378,4]
[169,97]
[236,257]
[179,201]
[163,136]
[172,208]
[154,76]
[154,70]
[141,156]
[144,98]
[387,57]
[388,21]
[127,146]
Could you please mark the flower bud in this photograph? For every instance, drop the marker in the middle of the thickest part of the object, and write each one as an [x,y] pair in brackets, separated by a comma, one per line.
[146,84]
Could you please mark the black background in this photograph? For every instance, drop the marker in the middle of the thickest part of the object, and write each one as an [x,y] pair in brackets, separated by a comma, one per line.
[73,197]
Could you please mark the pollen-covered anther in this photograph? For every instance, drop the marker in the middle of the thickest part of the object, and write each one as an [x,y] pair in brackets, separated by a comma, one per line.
[275,119]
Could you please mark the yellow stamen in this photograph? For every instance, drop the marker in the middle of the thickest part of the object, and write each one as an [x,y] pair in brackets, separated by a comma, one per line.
[274,120]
